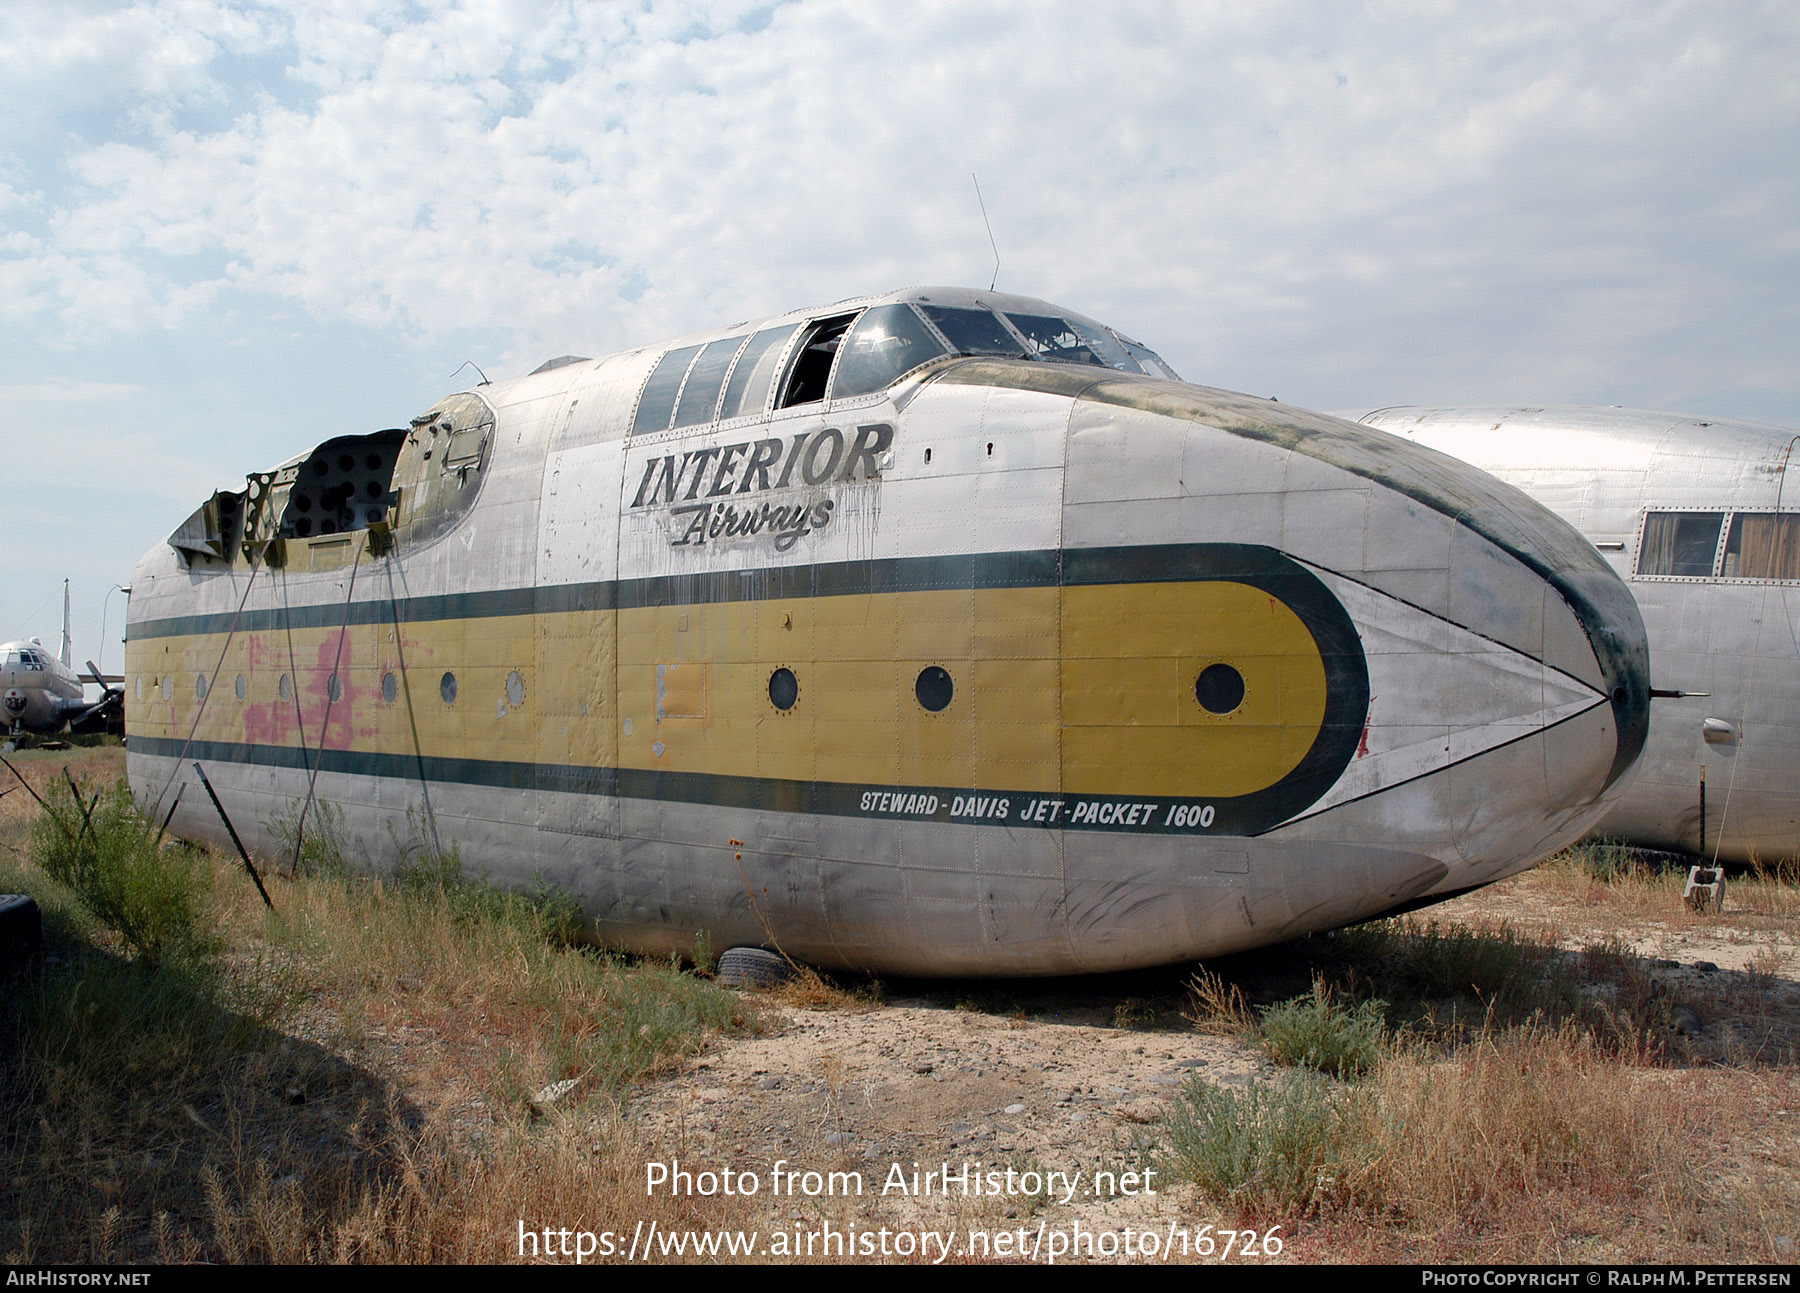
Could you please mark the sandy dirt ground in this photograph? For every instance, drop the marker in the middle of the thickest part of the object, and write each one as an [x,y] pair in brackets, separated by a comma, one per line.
[1074,1078]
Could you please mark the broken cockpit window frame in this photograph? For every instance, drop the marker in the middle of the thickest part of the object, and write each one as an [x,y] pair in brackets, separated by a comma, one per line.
[346,484]
[212,534]
[809,372]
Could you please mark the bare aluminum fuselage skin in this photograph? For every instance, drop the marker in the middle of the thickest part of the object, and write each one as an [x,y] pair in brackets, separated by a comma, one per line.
[1605,470]
[915,681]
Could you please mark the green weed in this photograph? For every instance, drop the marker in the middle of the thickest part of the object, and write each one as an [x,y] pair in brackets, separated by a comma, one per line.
[320,838]
[158,898]
[1318,1032]
[1289,1146]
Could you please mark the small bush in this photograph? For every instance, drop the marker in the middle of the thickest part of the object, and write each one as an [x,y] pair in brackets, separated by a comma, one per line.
[1316,1032]
[158,899]
[1135,1012]
[1290,1146]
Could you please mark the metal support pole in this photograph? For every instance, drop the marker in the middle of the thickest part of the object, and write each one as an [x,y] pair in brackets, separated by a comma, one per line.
[232,831]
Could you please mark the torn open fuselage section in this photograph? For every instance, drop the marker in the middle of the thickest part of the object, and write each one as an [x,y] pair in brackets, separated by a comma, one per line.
[411,482]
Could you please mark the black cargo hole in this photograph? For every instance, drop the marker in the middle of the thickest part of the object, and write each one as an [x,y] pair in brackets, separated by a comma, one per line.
[1219,689]
[784,689]
[934,688]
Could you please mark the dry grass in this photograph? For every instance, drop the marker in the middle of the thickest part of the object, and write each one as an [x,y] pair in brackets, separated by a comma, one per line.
[438,1203]
[1533,1117]
[1619,881]
[1543,1098]
[351,1078]
[807,989]
[1215,1006]
[1528,1146]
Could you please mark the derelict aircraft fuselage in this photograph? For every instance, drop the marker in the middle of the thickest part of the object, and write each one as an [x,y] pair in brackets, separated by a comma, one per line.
[937,632]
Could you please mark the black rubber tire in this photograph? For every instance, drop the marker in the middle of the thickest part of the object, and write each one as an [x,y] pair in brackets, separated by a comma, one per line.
[752,967]
[21,934]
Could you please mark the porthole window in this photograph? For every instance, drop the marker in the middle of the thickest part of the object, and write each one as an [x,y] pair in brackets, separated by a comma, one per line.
[140,686]
[784,689]
[168,687]
[1219,689]
[390,687]
[285,687]
[200,686]
[934,688]
[334,690]
[447,688]
[515,689]
[242,686]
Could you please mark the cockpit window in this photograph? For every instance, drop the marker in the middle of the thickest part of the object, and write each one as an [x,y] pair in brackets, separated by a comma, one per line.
[1151,362]
[886,342]
[1055,339]
[974,331]
[810,371]
[1105,345]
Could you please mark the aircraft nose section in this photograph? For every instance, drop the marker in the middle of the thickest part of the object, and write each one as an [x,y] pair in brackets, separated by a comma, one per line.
[1508,676]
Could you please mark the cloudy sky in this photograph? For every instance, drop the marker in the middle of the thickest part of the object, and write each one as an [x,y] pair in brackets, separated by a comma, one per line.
[230,230]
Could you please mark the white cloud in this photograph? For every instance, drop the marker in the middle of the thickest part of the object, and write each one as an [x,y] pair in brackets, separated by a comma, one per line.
[1262,191]
[228,227]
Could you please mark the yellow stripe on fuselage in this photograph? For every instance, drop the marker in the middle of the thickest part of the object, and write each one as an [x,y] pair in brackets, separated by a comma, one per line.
[1085,689]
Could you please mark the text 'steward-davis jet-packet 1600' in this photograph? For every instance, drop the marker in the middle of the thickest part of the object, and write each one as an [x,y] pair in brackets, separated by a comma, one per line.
[938,632]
